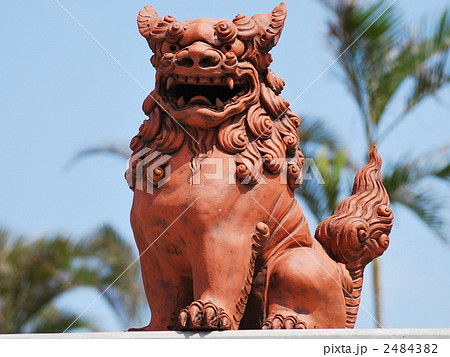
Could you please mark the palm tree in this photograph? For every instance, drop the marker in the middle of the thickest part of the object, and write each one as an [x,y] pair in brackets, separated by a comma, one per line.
[378,55]
[33,274]
[320,143]
[112,265]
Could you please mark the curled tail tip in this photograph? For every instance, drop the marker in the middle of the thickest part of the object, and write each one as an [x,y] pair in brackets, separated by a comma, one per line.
[374,157]
[358,231]
[368,179]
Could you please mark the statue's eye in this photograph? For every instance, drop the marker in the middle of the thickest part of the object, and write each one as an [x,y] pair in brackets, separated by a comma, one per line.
[236,46]
[169,47]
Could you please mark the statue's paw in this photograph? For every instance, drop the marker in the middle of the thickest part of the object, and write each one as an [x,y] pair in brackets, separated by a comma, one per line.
[279,321]
[202,316]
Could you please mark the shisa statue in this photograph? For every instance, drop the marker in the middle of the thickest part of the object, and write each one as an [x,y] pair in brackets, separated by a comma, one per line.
[223,241]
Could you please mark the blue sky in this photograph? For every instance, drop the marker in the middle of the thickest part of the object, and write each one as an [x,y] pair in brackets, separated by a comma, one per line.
[61,93]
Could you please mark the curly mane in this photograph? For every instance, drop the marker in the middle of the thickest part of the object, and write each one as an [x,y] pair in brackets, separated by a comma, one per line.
[264,137]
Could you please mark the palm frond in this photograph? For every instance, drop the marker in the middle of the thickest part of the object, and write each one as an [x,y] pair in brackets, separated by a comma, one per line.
[37,276]
[34,273]
[3,238]
[362,37]
[53,320]
[409,171]
[427,206]
[413,183]
[430,75]
[321,144]
[444,173]
[116,150]
[316,133]
[109,259]
[377,64]
[323,198]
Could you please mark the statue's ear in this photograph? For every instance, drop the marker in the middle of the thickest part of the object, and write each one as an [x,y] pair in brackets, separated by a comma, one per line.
[270,26]
[152,27]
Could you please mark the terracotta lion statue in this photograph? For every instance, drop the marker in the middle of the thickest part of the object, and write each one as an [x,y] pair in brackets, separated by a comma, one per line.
[223,241]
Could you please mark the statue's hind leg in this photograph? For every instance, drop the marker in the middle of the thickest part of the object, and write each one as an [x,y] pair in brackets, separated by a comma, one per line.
[305,290]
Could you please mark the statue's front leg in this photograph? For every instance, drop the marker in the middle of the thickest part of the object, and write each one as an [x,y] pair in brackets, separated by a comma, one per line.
[222,270]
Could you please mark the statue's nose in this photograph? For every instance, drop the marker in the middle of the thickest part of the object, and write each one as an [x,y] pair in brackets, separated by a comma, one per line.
[199,55]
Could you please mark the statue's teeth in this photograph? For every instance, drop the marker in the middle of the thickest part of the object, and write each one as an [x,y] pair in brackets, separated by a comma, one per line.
[230,82]
[219,103]
[181,101]
[170,82]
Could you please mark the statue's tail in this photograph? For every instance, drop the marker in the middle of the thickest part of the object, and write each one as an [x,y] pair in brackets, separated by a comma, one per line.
[358,231]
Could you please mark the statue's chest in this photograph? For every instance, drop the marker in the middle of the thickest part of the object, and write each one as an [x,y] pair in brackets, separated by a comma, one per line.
[166,184]
[197,199]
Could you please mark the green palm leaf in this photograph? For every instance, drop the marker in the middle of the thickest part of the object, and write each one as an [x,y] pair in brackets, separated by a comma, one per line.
[415,184]
[316,133]
[34,273]
[53,320]
[378,63]
[111,260]
[320,143]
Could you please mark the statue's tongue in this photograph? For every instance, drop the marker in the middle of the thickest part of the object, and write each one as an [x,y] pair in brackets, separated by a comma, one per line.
[200,99]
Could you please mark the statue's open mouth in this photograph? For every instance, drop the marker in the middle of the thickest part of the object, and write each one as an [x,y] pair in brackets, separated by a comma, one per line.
[214,92]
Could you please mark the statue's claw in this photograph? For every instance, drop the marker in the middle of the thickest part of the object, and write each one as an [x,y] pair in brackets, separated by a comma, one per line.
[201,316]
[279,321]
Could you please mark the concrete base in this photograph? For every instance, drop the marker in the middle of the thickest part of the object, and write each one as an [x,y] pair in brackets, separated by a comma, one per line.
[250,334]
